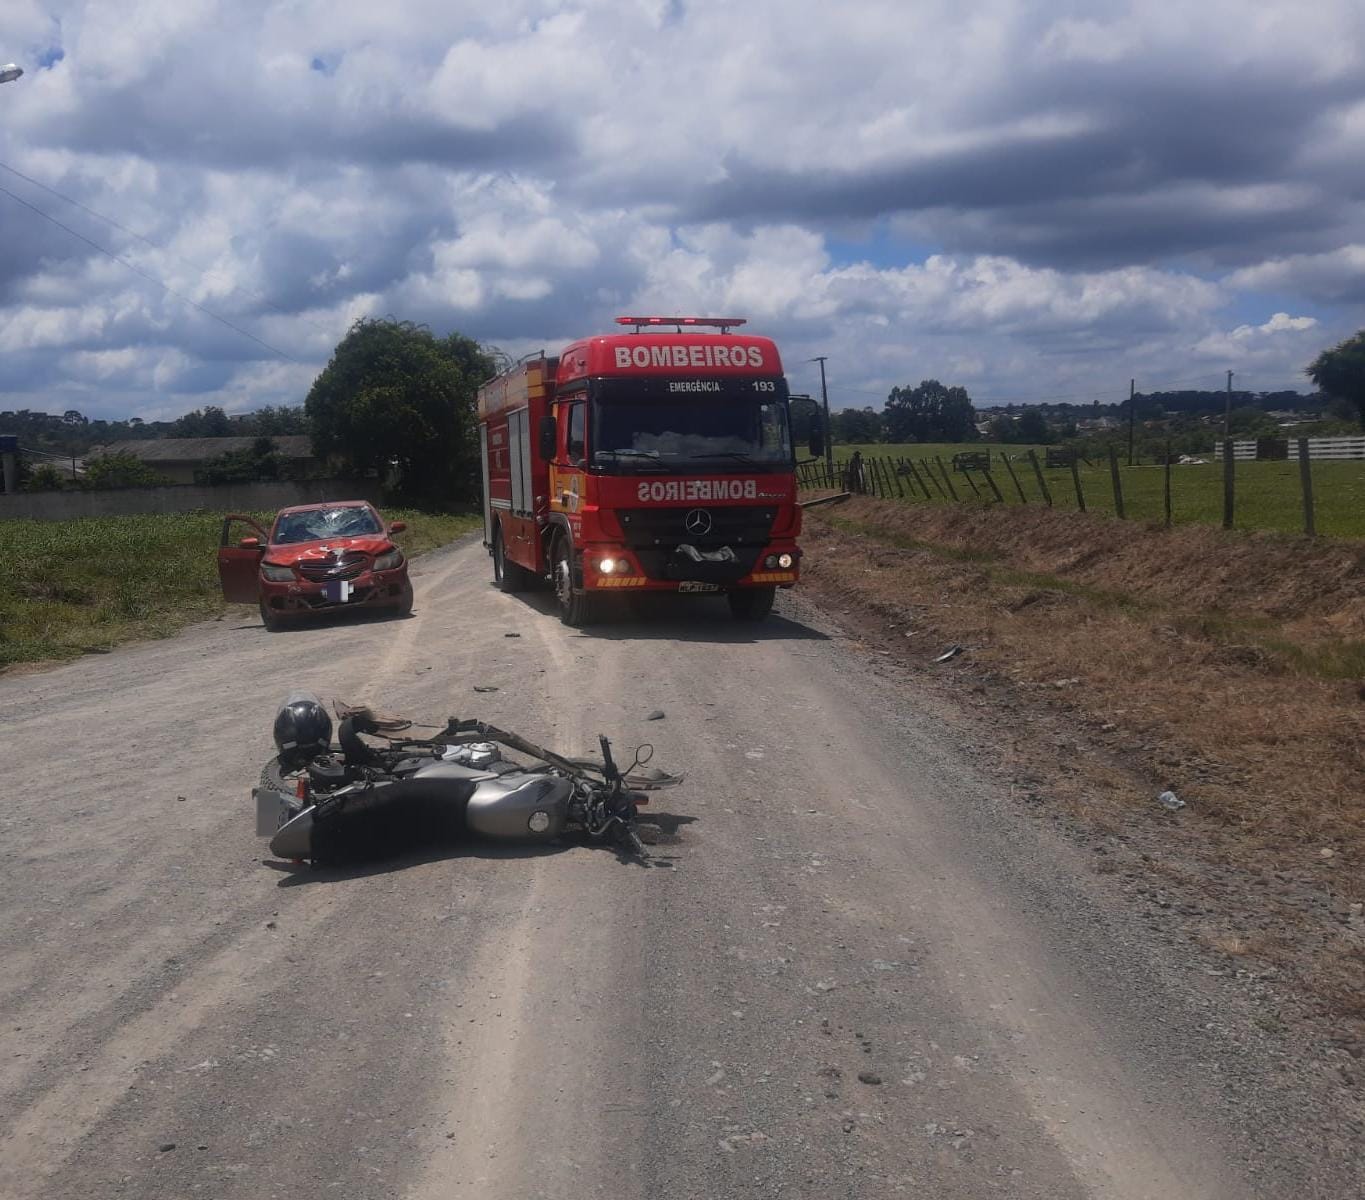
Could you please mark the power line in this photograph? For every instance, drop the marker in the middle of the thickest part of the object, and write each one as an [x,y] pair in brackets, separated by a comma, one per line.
[260,297]
[208,312]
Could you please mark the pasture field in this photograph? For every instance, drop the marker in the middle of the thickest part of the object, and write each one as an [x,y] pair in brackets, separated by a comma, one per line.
[1267,493]
[77,587]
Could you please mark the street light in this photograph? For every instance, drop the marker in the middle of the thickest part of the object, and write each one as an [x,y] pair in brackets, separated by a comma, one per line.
[10,72]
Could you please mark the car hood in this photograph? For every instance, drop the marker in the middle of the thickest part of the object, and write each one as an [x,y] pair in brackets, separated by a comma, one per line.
[289,554]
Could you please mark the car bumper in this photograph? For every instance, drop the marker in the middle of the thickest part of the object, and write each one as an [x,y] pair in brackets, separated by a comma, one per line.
[370,589]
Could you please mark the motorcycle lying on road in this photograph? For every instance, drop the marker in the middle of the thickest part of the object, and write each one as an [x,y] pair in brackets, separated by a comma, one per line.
[324,804]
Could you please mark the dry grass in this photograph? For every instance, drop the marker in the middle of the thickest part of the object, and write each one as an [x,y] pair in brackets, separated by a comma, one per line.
[1227,668]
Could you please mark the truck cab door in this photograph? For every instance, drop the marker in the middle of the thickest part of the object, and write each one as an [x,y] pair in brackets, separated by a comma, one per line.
[240,552]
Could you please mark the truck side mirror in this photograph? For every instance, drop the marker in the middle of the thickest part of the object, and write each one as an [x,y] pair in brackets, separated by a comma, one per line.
[549,434]
[817,438]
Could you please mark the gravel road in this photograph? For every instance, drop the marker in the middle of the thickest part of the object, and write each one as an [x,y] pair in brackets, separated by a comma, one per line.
[852,970]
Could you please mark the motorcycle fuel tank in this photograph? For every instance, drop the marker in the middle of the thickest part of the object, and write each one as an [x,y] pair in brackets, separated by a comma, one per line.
[520,807]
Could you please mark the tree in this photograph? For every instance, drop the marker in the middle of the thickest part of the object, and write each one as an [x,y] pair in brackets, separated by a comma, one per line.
[394,397]
[43,478]
[930,413]
[121,470]
[856,426]
[72,417]
[206,422]
[260,461]
[1340,372]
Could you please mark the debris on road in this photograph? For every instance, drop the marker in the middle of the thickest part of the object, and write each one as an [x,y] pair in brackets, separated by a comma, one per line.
[952,652]
[483,687]
[656,715]
[166,1147]
[1169,800]
[511,635]
[869,1077]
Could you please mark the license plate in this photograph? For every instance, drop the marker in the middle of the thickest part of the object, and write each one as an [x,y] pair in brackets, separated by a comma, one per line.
[338,591]
[692,585]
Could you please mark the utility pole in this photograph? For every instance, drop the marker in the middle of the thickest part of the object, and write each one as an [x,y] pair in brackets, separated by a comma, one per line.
[824,399]
[1132,407]
[1227,411]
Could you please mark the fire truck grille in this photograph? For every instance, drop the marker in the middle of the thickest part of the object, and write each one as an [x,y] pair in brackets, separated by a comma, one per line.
[348,566]
[655,533]
[664,528]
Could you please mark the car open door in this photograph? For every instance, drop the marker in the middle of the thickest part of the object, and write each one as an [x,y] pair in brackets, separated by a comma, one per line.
[239,558]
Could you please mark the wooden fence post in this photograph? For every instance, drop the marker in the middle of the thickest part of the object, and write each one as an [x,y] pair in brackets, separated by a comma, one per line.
[967,475]
[1038,471]
[895,478]
[1168,485]
[1306,478]
[1114,476]
[999,499]
[1227,482]
[952,491]
[931,477]
[1009,466]
[1076,479]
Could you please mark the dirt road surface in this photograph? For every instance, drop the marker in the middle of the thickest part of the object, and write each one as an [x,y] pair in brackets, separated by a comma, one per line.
[852,970]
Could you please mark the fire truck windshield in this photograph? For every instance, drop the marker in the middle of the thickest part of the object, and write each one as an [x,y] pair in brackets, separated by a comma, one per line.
[679,424]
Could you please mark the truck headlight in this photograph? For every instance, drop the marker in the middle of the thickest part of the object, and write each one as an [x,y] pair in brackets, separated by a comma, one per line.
[389,560]
[614,566]
[276,573]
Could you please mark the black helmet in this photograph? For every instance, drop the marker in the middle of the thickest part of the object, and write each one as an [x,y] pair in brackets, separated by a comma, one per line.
[302,727]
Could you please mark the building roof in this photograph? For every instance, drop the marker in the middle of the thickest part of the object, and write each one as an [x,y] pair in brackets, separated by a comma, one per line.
[193,450]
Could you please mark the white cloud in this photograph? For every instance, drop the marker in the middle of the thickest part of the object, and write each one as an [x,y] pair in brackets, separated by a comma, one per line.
[1014,195]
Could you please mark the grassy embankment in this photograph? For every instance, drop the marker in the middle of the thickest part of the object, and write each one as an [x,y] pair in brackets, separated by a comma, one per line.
[76,587]
[1267,493]
[1227,667]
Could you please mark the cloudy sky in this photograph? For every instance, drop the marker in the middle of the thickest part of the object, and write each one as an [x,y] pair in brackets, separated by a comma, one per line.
[1032,200]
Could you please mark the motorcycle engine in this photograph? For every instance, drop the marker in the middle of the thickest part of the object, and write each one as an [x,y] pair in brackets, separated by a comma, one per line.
[478,755]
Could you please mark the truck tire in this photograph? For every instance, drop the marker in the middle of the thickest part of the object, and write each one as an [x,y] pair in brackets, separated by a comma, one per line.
[575,608]
[751,604]
[509,576]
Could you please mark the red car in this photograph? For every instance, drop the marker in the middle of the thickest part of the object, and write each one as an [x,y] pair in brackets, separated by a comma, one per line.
[317,558]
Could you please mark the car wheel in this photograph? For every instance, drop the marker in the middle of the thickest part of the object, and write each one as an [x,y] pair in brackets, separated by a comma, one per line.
[270,619]
[751,604]
[575,608]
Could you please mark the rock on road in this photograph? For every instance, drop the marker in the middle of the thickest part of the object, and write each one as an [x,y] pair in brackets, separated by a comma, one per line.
[850,971]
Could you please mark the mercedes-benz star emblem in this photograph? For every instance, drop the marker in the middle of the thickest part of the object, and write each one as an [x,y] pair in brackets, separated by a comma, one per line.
[697,522]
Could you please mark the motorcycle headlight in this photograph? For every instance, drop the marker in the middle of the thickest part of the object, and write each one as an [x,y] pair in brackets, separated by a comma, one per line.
[276,573]
[389,560]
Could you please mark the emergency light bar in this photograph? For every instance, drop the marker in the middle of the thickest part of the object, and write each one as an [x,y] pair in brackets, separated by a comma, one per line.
[722,323]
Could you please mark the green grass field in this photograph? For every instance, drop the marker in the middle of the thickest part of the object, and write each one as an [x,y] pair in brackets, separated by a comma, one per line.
[76,587]
[1267,494]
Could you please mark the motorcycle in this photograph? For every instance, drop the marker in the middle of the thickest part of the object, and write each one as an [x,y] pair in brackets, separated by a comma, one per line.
[322,803]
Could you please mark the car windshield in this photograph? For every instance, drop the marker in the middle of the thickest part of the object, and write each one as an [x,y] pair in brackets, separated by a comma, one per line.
[321,523]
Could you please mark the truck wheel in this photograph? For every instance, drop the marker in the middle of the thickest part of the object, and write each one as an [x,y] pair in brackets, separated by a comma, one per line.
[751,604]
[575,608]
[509,576]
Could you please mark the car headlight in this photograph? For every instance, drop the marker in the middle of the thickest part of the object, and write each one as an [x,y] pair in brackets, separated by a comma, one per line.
[784,561]
[388,561]
[276,573]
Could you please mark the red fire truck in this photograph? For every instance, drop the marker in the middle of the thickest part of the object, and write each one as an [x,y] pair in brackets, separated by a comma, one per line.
[655,459]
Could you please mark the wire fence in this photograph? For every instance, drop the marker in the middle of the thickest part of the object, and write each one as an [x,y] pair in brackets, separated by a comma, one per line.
[1296,491]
